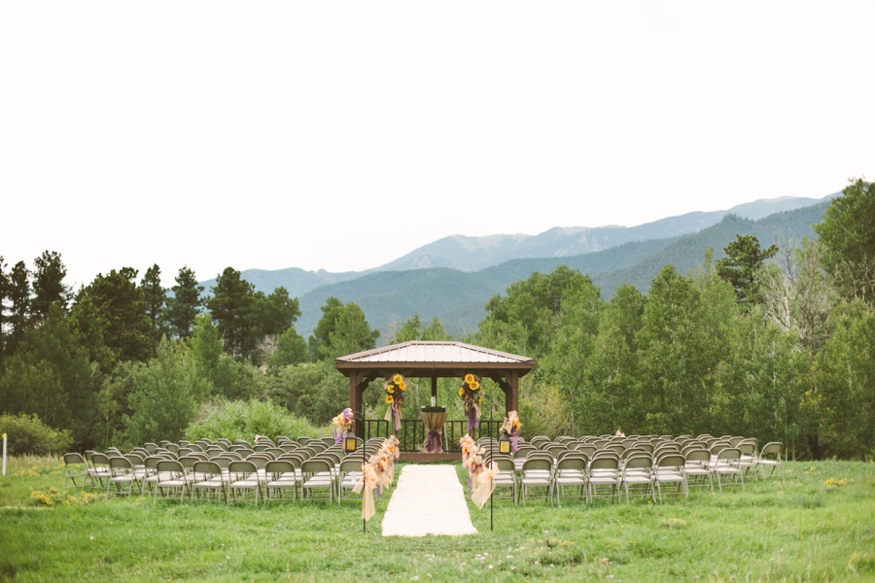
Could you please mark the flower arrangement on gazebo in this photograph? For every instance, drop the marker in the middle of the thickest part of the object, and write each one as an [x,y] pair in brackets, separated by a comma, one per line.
[472,396]
[395,388]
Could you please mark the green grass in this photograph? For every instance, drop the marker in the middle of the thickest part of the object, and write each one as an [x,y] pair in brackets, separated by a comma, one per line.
[815,527]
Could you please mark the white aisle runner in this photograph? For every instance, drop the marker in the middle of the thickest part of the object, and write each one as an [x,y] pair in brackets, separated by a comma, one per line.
[428,500]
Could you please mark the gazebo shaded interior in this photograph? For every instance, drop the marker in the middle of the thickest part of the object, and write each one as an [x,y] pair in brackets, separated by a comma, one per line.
[431,359]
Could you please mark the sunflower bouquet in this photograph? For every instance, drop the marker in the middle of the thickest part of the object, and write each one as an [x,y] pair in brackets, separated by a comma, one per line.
[395,388]
[472,396]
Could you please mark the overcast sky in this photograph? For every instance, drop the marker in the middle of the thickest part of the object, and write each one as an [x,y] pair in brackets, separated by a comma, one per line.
[342,135]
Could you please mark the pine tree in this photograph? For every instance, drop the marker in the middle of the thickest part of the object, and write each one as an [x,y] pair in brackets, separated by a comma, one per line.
[48,285]
[185,304]
[154,296]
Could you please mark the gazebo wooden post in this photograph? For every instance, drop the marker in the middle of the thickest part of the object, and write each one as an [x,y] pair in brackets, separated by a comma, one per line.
[511,394]
[434,389]
[355,403]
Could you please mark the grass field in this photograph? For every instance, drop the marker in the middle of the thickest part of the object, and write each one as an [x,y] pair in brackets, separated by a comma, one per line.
[818,526]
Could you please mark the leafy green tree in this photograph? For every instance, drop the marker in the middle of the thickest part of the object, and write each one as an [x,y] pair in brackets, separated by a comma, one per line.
[535,304]
[316,391]
[321,337]
[760,381]
[291,349]
[154,297]
[412,329]
[435,331]
[212,362]
[847,235]
[742,263]
[847,386]
[679,347]
[232,307]
[184,304]
[166,393]
[48,284]
[596,369]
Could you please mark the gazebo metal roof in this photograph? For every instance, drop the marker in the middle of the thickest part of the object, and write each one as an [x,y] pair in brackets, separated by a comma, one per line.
[433,359]
[421,354]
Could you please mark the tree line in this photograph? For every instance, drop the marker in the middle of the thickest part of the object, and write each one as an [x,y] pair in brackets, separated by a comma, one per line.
[770,343]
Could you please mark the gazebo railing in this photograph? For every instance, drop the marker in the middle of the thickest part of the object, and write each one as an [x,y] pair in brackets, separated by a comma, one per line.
[412,434]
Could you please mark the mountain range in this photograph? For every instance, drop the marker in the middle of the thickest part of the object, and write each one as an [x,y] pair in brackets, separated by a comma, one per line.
[453,277]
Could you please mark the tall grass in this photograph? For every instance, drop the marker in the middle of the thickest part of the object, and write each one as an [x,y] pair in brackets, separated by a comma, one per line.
[817,526]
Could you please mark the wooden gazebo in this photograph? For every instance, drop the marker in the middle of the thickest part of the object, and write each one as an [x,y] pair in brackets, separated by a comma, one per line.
[426,359]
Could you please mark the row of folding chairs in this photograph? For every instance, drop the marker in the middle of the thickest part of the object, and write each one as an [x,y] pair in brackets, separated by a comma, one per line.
[635,472]
[195,472]
[752,460]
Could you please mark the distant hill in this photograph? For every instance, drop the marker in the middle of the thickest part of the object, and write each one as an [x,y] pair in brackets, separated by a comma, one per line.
[458,298]
[454,277]
[784,229]
[296,281]
[476,253]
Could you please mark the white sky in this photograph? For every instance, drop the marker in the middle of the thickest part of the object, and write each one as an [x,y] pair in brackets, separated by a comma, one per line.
[342,135]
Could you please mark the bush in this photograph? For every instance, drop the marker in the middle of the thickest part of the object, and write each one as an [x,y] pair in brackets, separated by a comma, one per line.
[244,420]
[26,434]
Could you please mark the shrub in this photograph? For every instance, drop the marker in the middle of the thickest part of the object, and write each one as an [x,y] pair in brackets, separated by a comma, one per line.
[26,434]
[243,420]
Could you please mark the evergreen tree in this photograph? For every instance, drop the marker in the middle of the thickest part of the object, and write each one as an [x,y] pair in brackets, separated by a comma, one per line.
[276,312]
[110,313]
[232,308]
[740,267]
[351,334]
[154,297]
[321,337]
[50,376]
[48,284]
[18,294]
[4,295]
[184,305]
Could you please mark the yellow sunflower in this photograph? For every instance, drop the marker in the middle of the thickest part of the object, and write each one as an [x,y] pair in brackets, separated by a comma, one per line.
[390,389]
[389,399]
[402,386]
[397,379]
[474,386]
[469,378]
[461,391]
